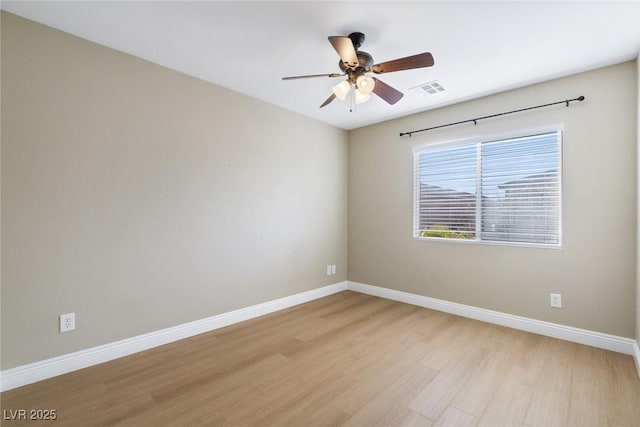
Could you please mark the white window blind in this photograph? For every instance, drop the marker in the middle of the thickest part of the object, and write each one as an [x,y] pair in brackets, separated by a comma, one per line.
[496,191]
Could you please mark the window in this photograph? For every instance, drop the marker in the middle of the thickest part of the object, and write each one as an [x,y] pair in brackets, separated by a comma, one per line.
[504,191]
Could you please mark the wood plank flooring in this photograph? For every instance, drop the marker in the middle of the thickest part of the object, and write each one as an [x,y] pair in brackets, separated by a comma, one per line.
[347,360]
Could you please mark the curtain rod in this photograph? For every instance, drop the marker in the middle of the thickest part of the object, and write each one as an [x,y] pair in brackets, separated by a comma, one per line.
[566,101]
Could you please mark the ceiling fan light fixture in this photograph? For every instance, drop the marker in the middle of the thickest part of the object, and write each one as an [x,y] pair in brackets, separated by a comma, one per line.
[355,64]
[361,97]
[342,89]
[365,84]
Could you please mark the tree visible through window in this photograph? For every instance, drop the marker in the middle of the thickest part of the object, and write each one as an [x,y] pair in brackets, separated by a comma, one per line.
[497,191]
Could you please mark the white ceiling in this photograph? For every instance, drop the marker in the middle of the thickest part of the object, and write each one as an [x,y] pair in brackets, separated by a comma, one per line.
[479,47]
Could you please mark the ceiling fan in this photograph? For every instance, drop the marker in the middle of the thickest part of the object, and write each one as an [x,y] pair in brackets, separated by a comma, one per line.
[355,64]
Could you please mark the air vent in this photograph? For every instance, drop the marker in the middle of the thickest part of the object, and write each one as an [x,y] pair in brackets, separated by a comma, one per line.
[431,88]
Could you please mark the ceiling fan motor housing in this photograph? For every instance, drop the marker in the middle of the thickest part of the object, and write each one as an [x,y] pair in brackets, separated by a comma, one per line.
[365,61]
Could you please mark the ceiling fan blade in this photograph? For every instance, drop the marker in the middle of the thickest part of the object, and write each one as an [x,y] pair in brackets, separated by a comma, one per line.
[346,51]
[312,75]
[386,92]
[410,62]
[328,100]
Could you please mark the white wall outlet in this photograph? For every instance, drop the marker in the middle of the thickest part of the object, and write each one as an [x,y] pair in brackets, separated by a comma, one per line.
[331,269]
[67,322]
[555,300]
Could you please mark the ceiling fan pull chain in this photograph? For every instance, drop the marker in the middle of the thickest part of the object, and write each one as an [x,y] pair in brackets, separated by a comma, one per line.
[352,101]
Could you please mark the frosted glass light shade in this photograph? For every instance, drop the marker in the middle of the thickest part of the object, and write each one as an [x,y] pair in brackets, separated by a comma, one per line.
[365,84]
[361,97]
[342,89]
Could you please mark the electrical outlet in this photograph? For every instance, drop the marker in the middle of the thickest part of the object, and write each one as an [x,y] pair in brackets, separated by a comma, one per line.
[555,300]
[67,322]
[331,269]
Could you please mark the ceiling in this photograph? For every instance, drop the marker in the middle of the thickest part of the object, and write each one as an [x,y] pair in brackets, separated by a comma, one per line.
[479,47]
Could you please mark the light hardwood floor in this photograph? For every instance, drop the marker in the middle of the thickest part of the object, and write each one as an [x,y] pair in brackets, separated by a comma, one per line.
[348,359]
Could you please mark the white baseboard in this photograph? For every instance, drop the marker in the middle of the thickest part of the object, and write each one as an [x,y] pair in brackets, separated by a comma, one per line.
[27,374]
[567,333]
[33,372]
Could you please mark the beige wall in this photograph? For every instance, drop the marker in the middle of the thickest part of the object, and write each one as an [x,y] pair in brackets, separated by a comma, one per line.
[595,269]
[140,198]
